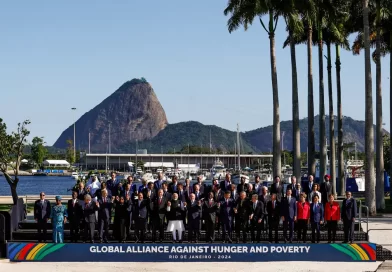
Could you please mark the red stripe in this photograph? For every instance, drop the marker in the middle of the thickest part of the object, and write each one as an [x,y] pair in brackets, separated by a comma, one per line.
[24,251]
[370,251]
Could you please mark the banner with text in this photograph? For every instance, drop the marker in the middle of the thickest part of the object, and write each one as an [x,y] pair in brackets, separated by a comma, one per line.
[47,252]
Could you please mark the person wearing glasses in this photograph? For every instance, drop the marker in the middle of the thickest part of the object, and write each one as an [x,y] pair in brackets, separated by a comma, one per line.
[348,213]
[41,215]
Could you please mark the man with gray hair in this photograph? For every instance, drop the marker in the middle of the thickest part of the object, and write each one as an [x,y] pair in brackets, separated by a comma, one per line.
[264,198]
[89,217]
[241,216]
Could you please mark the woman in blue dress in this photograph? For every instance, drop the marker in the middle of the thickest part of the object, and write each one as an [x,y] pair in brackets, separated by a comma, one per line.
[59,217]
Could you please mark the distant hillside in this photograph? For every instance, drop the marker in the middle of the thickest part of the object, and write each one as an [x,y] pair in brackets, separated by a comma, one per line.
[175,136]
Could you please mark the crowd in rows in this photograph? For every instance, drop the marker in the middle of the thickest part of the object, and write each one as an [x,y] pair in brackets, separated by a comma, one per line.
[175,207]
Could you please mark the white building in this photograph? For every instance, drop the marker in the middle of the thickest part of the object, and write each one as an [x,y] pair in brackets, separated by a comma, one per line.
[56,163]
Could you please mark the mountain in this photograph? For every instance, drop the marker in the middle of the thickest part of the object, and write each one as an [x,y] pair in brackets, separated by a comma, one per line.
[137,120]
[131,112]
[176,136]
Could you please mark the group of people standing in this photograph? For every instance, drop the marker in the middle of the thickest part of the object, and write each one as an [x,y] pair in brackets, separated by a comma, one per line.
[176,207]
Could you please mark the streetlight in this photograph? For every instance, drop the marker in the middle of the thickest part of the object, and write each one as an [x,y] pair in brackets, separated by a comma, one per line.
[110,150]
[74,141]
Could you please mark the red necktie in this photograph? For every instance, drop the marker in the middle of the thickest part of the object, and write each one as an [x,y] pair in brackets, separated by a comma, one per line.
[160,201]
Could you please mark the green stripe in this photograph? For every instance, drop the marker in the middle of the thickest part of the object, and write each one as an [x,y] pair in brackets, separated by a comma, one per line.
[345,251]
[353,250]
[42,250]
[49,250]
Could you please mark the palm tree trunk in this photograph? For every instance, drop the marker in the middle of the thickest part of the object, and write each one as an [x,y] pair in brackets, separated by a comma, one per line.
[296,132]
[369,136]
[311,141]
[380,201]
[332,159]
[342,181]
[277,161]
[323,152]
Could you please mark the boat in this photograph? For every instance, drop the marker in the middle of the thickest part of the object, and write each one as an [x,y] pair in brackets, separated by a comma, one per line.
[218,170]
[236,179]
[75,175]
[148,177]
[40,174]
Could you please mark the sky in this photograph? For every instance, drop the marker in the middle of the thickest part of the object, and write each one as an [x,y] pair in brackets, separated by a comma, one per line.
[56,55]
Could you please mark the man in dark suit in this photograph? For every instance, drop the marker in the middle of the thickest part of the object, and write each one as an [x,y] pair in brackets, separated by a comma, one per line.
[296,191]
[257,185]
[292,184]
[198,194]
[316,217]
[256,213]
[326,189]
[74,210]
[105,215]
[273,210]
[199,182]
[277,188]
[193,207]
[128,192]
[225,184]
[308,187]
[242,186]
[209,209]
[113,185]
[241,212]
[288,212]
[81,191]
[250,192]
[348,213]
[150,189]
[158,183]
[42,211]
[166,192]
[173,185]
[139,214]
[227,215]
[90,207]
[234,194]
[264,198]
[132,186]
[158,214]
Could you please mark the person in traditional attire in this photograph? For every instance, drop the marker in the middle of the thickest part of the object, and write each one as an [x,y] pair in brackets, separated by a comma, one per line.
[58,216]
[175,208]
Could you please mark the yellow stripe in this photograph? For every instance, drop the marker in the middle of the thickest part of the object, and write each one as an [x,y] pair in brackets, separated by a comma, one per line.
[363,254]
[34,252]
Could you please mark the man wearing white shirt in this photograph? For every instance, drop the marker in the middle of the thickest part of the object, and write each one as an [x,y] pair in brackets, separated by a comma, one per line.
[94,186]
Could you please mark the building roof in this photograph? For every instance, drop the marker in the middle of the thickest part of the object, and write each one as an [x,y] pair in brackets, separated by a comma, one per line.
[62,162]
[159,164]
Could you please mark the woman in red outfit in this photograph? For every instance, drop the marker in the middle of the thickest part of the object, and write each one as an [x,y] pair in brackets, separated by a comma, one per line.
[303,217]
[332,216]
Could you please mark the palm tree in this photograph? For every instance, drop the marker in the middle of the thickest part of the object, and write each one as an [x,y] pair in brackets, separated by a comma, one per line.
[242,13]
[369,137]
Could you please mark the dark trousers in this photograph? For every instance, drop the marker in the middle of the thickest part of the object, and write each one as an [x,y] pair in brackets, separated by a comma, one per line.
[255,226]
[159,225]
[315,229]
[302,228]
[273,227]
[210,230]
[89,230]
[121,229]
[42,229]
[74,230]
[264,224]
[240,226]
[140,229]
[127,226]
[332,226]
[288,223]
[193,230]
[227,229]
[103,229]
[348,226]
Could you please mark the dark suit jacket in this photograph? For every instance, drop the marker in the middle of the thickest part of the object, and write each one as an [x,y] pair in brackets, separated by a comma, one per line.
[349,209]
[223,186]
[265,199]
[89,212]
[258,212]
[194,212]
[243,210]
[173,188]
[176,210]
[140,211]
[145,192]
[74,212]
[316,217]
[199,196]
[201,186]
[273,214]
[219,196]
[326,188]
[158,184]
[234,195]
[227,210]
[288,210]
[167,195]
[81,194]
[105,209]
[112,186]
[158,209]
[295,193]
[242,187]
[306,189]
[42,210]
[210,210]
[182,196]
[277,190]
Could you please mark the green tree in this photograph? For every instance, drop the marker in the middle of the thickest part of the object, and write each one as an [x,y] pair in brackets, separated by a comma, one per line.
[38,150]
[242,13]
[11,153]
